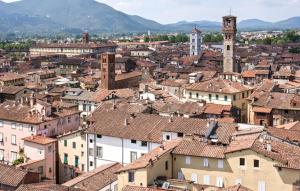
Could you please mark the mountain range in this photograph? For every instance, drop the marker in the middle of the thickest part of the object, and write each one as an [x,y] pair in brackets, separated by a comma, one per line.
[75,16]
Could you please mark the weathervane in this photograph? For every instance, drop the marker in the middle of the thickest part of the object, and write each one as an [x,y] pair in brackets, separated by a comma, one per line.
[230,12]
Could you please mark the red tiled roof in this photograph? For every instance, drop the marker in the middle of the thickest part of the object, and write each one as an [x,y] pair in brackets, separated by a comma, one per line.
[217,85]
[96,179]
[196,147]
[262,110]
[39,140]
[248,74]
[151,157]
[139,188]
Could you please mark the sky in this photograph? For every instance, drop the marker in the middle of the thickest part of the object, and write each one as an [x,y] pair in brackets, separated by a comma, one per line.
[171,11]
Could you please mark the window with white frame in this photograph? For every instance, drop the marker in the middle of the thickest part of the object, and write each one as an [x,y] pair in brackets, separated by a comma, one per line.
[205,162]
[261,186]
[13,126]
[99,152]
[219,182]
[1,137]
[1,123]
[13,156]
[180,176]
[187,160]
[13,139]
[194,177]
[206,180]
[20,127]
[133,156]
[1,154]
[238,181]
[91,152]
[220,163]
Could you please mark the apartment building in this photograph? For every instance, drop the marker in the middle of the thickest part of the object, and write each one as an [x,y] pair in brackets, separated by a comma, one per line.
[89,101]
[18,121]
[40,156]
[220,91]
[118,136]
[12,79]
[273,108]
[258,161]
[72,155]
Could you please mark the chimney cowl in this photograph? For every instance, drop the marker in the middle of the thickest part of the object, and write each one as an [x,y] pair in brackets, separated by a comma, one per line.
[126,122]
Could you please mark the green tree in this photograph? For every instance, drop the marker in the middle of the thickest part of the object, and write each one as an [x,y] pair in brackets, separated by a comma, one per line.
[146,39]
[172,39]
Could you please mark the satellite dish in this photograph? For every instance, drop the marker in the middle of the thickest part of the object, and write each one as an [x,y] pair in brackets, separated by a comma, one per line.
[166,185]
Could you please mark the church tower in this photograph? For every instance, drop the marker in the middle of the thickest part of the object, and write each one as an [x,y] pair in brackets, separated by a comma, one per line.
[195,42]
[108,71]
[85,38]
[229,31]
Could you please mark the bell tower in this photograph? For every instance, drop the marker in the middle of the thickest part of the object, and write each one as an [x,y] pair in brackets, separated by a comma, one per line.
[229,32]
[85,38]
[195,42]
[108,71]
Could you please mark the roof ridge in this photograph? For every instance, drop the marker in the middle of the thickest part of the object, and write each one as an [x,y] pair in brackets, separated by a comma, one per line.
[90,174]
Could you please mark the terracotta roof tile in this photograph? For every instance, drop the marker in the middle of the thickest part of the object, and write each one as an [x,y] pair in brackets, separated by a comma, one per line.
[45,186]
[262,110]
[217,109]
[235,188]
[11,176]
[96,179]
[151,157]
[196,147]
[218,86]
[143,127]
[39,140]
[138,188]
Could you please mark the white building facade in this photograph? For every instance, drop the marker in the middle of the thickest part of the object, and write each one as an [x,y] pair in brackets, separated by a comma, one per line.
[106,149]
[195,42]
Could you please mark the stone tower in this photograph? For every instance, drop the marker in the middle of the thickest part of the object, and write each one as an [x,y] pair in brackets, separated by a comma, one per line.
[229,31]
[85,38]
[108,71]
[195,42]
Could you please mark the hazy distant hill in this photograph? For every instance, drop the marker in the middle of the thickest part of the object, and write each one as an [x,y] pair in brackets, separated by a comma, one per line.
[254,24]
[250,24]
[79,15]
[187,26]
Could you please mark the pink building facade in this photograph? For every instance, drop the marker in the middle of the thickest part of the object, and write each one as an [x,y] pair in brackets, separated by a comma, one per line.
[18,121]
[40,156]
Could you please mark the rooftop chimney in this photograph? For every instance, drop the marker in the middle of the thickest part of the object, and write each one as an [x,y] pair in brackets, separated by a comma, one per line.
[171,119]
[126,122]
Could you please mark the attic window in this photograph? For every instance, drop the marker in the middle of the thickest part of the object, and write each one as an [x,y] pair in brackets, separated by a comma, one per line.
[99,136]
[256,163]
[242,162]
[144,144]
[133,141]
[131,176]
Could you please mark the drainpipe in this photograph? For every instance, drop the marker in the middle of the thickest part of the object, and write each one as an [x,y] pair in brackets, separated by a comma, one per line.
[95,151]
[172,168]
[87,153]
[122,151]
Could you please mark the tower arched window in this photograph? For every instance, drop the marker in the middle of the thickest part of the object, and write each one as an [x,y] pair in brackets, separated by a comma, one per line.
[228,47]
